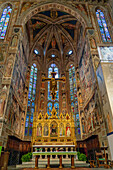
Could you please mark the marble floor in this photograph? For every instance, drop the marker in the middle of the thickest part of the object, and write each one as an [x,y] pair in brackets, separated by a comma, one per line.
[76,168]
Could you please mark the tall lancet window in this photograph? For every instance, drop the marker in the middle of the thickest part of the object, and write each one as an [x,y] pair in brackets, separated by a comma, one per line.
[73,98]
[31,101]
[53,103]
[4,20]
[103,26]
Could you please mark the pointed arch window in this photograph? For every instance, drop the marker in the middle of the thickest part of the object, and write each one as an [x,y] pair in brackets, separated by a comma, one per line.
[73,98]
[103,26]
[4,20]
[52,103]
[31,101]
[49,108]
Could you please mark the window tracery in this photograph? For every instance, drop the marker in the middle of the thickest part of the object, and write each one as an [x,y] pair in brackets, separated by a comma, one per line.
[31,101]
[103,26]
[73,98]
[4,20]
[50,101]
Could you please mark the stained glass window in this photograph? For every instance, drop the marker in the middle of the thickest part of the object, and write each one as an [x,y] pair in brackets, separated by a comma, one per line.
[73,98]
[49,108]
[50,101]
[31,101]
[56,106]
[4,21]
[103,26]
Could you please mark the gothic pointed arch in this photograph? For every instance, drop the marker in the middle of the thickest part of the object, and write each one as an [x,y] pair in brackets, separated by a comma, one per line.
[103,26]
[74,98]
[52,103]
[31,100]
[4,20]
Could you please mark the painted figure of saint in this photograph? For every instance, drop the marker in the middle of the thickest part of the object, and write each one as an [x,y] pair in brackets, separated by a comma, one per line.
[8,69]
[39,131]
[62,132]
[2,104]
[46,130]
[68,132]
[53,129]
[14,41]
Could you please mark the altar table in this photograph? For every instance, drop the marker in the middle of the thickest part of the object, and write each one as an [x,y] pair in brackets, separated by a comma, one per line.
[37,154]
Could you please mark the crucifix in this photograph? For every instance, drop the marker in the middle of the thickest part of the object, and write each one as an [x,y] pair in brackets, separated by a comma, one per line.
[53,83]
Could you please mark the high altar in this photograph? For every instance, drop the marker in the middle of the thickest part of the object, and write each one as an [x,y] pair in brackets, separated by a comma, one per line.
[53,130]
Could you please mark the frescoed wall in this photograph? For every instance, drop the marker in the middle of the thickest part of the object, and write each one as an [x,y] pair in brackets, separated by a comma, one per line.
[101,77]
[15,112]
[86,71]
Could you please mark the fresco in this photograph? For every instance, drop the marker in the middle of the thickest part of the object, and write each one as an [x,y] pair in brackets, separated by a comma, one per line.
[15,115]
[87,76]
[104,96]
[93,117]
[14,111]
[106,54]
[19,73]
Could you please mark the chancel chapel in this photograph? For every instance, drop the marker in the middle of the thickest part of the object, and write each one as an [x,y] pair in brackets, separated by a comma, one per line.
[56,76]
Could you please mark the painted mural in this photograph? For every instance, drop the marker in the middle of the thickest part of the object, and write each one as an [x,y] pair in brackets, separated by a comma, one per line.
[93,117]
[15,115]
[104,96]
[19,73]
[14,111]
[87,77]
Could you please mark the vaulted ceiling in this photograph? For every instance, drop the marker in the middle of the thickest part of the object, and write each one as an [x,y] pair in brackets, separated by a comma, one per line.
[53,32]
